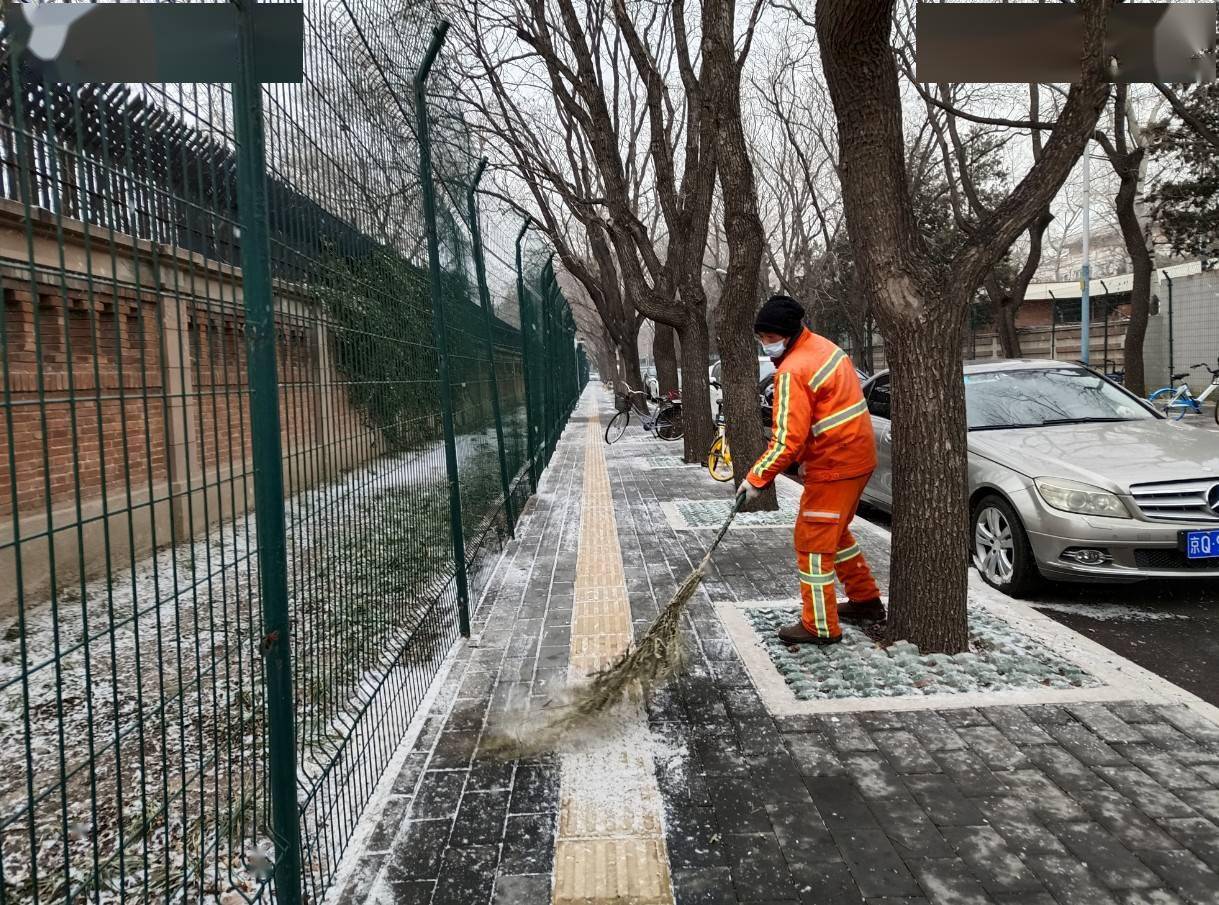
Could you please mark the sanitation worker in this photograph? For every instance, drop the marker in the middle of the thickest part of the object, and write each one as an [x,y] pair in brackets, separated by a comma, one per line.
[821,422]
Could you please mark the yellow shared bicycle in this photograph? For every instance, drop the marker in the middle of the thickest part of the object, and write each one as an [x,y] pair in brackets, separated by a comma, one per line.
[719,459]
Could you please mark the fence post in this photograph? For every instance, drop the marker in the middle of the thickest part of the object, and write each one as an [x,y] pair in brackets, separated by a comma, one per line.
[439,327]
[484,294]
[548,376]
[268,463]
[526,327]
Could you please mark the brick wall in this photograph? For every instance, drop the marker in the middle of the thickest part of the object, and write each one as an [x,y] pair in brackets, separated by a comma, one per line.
[127,419]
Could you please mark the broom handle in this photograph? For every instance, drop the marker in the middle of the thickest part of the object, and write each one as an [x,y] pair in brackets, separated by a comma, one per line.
[736,507]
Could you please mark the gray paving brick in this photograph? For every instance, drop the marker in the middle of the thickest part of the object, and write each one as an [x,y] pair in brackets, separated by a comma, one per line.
[703,886]
[813,754]
[1068,880]
[522,889]
[758,869]
[1205,801]
[1191,723]
[992,860]
[1046,799]
[802,834]
[1025,898]
[1016,822]
[993,747]
[969,772]
[1049,715]
[1123,819]
[1135,712]
[1086,745]
[947,881]
[1065,769]
[1148,897]
[1163,767]
[934,731]
[1185,749]
[828,883]
[874,864]
[1153,799]
[905,752]
[1186,874]
[943,801]
[965,716]
[884,720]
[845,733]
[910,830]
[874,776]
[1105,856]
[1197,834]
[1015,724]
[1105,722]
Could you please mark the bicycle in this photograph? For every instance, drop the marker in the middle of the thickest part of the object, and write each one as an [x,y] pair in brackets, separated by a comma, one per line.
[1178,401]
[667,422]
[719,459]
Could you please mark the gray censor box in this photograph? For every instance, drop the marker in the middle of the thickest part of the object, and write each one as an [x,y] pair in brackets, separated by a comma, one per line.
[1020,42]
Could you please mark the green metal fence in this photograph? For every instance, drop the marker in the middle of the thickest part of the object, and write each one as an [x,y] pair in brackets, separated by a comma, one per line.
[265,424]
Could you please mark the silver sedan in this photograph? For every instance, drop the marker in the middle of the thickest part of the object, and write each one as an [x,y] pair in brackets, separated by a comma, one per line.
[1072,477]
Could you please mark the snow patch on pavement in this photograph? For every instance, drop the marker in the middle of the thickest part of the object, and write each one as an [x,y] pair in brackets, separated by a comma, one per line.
[1108,612]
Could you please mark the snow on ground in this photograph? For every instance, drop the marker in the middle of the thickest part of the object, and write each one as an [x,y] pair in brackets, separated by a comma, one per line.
[1001,658]
[1109,612]
[133,713]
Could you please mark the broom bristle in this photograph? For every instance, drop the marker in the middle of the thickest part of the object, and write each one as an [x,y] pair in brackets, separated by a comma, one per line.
[641,668]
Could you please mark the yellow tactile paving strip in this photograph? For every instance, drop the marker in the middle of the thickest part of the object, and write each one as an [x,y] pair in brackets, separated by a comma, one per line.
[610,845]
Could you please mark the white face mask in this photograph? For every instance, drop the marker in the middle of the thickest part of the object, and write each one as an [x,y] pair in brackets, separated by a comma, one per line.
[774,350]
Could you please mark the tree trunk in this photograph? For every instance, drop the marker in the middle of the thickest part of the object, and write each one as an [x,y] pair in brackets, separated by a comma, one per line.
[928,578]
[628,361]
[696,388]
[1003,314]
[665,354]
[1140,265]
[1005,324]
[739,298]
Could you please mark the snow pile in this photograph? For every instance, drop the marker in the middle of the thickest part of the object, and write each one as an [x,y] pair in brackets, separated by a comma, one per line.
[1000,659]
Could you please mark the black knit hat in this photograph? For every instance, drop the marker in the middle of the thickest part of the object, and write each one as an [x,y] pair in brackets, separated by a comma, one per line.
[781,314]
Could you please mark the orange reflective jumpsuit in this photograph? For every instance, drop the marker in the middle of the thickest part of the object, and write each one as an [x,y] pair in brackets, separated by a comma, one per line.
[821,421]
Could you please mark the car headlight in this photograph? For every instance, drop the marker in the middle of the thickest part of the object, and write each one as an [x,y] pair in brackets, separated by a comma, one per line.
[1084,499]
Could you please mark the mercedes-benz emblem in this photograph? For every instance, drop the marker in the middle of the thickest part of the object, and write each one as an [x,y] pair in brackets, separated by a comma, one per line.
[1212,499]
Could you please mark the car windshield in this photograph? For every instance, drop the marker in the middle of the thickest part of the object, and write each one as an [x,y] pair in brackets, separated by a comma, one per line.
[1034,398]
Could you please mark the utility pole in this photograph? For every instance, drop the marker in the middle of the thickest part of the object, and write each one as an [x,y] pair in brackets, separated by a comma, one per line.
[1085,271]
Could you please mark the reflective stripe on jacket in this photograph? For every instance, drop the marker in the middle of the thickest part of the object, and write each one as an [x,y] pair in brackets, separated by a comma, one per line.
[820,417]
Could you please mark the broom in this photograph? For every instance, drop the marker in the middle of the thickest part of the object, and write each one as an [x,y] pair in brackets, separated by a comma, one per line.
[645,665]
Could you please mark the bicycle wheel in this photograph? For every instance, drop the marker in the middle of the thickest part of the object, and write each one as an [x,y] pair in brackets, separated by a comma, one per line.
[669,424]
[1165,399]
[719,461]
[617,427]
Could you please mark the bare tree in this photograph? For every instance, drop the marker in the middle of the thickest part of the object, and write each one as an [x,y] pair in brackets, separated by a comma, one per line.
[920,304]
[659,140]
[743,233]
[1126,149]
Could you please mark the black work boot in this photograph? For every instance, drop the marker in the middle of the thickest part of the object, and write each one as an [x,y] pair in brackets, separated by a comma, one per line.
[798,634]
[862,612]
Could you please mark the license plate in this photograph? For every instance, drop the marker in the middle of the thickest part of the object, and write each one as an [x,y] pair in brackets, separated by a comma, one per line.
[1202,544]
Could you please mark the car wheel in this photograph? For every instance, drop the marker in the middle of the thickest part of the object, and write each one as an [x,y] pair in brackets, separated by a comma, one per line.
[1000,548]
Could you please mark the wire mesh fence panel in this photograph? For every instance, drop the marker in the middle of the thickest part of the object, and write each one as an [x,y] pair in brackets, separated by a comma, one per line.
[133,670]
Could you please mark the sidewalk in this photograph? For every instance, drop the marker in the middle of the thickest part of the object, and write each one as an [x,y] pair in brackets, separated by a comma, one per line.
[722,793]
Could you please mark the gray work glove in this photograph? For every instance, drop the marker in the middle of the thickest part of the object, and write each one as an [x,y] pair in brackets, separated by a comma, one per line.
[748,491]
